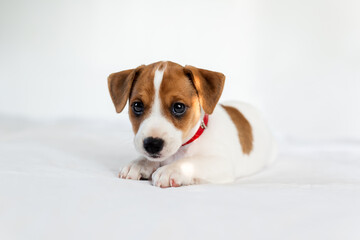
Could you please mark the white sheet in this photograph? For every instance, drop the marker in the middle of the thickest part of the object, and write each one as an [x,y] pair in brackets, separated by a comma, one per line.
[58,181]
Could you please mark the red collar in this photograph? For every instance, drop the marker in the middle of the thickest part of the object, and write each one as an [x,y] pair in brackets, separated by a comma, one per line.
[203,126]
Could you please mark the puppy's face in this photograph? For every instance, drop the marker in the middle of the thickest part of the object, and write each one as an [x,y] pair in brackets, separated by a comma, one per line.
[165,101]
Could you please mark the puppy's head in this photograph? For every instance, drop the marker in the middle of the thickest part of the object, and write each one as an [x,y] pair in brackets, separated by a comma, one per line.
[165,101]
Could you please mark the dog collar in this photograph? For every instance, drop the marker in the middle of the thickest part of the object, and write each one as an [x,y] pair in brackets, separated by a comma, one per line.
[203,126]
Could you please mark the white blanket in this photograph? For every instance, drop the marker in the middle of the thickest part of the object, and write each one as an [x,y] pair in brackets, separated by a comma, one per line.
[58,180]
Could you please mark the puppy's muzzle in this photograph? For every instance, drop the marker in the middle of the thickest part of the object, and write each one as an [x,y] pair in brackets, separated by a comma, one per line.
[153,146]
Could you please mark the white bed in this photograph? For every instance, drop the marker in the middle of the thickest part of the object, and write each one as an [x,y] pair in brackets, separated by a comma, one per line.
[58,180]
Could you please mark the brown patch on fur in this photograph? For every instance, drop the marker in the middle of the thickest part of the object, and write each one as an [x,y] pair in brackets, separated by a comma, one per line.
[143,90]
[119,84]
[161,66]
[188,85]
[209,85]
[243,127]
[177,87]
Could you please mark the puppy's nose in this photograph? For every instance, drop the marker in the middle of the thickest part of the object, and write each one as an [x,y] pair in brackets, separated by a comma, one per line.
[153,145]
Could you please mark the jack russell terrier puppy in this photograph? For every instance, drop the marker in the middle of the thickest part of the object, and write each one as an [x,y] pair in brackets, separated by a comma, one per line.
[183,135]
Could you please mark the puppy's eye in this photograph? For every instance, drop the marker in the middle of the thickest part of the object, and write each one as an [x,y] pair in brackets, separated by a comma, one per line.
[178,109]
[138,108]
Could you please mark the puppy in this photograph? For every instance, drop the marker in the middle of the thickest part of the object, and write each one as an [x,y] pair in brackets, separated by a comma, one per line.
[183,135]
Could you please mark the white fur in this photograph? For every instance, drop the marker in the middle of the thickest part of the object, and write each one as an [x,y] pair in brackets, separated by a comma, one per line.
[158,126]
[216,156]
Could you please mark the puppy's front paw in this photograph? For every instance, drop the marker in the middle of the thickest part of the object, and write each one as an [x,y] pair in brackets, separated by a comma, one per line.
[170,176]
[138,169]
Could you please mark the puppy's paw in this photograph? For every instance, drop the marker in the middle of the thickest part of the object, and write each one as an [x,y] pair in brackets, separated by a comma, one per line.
[138,169]
[170,176]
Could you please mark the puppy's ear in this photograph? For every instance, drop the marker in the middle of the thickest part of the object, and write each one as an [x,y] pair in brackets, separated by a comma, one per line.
[120,84]
[208,84]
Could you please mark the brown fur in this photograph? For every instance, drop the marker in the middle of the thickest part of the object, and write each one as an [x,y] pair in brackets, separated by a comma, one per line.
[209,85]
[188,85]
[120,86]
[177,87]
[142,90]
[243,127]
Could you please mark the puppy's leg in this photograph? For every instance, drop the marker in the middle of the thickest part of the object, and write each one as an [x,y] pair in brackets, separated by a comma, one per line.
[140,168]
[193,170]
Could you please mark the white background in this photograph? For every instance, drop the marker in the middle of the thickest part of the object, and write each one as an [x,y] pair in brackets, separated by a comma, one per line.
[298,61]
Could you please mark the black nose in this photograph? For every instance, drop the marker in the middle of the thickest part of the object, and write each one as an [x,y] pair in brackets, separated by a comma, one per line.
[153,145]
